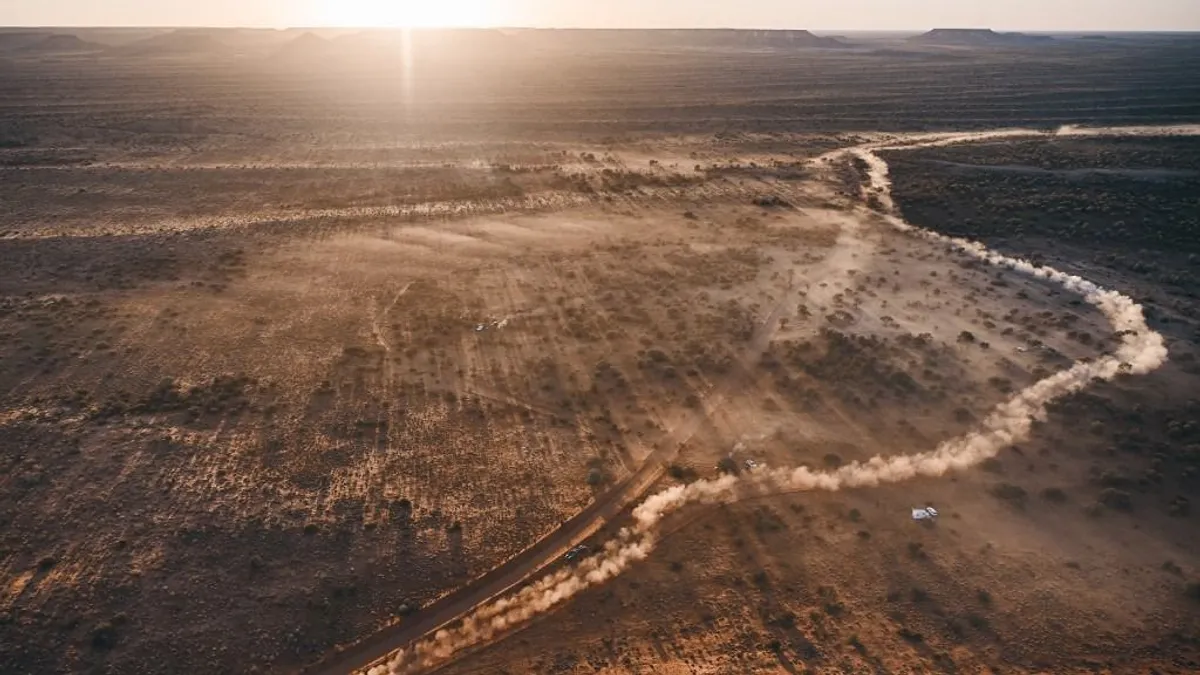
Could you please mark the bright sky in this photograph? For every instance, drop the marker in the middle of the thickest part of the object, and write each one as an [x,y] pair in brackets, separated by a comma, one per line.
[814,14]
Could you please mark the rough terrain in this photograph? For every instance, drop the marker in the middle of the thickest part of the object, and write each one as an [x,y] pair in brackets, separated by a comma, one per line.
[286,355]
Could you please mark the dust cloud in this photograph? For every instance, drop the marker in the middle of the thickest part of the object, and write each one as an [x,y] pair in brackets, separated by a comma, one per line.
[1141,350]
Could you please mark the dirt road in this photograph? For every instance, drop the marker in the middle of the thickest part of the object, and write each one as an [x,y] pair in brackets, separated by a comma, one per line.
[517,570]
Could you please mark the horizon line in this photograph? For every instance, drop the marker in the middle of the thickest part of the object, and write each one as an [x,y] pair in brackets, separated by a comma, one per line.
[591,28]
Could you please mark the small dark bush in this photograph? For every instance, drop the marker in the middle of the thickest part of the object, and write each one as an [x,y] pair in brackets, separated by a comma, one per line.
[992,465]
[1054,495]
[104,637]
[857,644]
[1116,499]
[1008,492]
[727,465]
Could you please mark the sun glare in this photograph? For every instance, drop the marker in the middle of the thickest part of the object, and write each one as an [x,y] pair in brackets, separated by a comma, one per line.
[406,13]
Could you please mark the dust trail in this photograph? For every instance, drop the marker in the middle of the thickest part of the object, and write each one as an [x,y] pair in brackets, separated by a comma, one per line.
[1141,350]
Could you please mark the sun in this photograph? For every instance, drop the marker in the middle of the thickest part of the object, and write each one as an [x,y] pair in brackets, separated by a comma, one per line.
[406,13]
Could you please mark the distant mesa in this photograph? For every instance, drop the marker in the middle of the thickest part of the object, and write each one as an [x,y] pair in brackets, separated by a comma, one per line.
[308,46]
[977,37]
[62,44]
[440,45]
[175,43]
[746,39]
[17,40]
[384,47]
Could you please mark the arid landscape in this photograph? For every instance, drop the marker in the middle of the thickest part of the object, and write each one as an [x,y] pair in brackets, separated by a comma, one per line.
[316,343]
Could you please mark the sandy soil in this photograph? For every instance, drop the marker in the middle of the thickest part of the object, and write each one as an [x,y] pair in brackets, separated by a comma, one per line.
[281,370]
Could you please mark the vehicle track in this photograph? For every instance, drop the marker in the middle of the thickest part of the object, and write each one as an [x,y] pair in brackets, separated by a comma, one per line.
[530,563]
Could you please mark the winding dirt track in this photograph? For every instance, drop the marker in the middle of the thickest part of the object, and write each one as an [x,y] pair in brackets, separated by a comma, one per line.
[530,563]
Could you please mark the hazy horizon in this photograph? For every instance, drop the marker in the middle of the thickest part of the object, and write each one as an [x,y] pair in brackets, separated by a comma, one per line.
[850,15]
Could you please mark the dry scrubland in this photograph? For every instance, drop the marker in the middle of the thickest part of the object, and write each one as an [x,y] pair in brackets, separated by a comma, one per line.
[289,350]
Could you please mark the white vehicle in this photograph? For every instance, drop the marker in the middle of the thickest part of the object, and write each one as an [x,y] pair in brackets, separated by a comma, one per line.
[751,465]
[927,513]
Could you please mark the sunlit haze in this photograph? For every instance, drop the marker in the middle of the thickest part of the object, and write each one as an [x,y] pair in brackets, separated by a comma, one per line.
[848,14]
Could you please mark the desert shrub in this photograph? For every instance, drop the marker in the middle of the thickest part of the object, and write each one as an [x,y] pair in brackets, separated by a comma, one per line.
[984,597]
[992,465]
[785,620]
[1193,590]
[909,635]
[1116,499]
[595,477]
[855,515]
[1111,479]
[681,473]
[1054,495]
[857,644]
[1172,568]
[966,337]
[977,621]
[727,465]
[1008,492]
[104,636]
